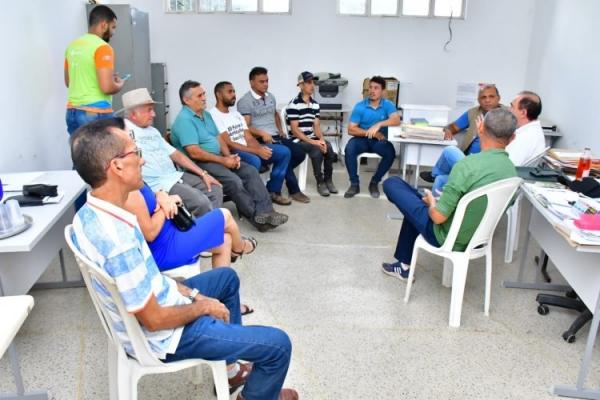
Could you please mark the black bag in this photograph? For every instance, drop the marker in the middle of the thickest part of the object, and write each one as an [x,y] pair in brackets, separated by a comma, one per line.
[587,186]
[40,190]
[184,219]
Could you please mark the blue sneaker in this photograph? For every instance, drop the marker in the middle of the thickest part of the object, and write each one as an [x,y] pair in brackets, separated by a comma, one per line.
[397,270]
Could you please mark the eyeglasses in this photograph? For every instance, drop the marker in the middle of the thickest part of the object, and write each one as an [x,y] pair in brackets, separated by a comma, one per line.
[136,151]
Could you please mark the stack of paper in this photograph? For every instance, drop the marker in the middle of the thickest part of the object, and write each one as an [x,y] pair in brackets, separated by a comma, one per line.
[567,160]
[563,204]
[422,132]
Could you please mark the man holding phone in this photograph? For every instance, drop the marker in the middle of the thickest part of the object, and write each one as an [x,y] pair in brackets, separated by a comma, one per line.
[89,71]
[432,218]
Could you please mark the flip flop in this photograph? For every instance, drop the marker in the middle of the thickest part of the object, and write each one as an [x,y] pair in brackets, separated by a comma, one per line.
[235,255]
[246,309]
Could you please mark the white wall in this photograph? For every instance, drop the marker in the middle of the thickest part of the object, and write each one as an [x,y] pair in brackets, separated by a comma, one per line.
[564,67]
[487,47]
[35,33]
[209,48]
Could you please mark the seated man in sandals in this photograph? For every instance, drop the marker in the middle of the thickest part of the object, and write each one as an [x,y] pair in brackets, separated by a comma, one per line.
[197,318]
[431,218]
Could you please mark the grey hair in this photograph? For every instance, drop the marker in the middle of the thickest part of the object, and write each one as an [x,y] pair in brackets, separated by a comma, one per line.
[93,146]
[500,124]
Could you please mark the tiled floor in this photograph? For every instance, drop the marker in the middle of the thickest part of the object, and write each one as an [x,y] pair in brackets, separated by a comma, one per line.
[318,278]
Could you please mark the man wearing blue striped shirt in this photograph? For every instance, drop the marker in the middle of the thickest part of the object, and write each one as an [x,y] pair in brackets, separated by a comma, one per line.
[199,318]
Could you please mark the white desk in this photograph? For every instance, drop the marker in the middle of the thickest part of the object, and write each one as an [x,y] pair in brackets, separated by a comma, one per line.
[417,152]
[580,266]
[13,312]
[24,257]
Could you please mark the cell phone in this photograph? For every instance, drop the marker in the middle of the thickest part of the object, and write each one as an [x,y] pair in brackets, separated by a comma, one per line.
[125,77]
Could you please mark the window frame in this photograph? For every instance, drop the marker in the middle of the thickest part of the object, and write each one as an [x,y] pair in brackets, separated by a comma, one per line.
[260,9]
[194,4]
[399,14]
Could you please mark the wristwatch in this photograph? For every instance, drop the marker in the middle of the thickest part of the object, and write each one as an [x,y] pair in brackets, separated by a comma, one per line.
[192,295]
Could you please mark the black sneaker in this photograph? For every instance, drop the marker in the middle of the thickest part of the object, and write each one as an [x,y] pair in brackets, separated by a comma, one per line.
[322,189]
[427,176]
[396,270]
[331,187]
[374,190]
[352,191]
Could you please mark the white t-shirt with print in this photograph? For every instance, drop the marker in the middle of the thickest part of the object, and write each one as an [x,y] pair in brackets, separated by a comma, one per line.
[232,122]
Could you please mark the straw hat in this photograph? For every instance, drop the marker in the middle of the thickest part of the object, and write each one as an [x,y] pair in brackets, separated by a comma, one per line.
[135,98]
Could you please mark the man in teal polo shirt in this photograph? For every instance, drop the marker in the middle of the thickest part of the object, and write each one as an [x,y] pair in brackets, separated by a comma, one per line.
[368,124]
[432,218]
[195,133]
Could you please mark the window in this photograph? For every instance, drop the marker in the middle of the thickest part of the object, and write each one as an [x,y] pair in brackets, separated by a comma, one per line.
[418,8]
[445,8]
[415,8]
[180,6]
[244,6]
[353,7]
[384,7]
[211,6]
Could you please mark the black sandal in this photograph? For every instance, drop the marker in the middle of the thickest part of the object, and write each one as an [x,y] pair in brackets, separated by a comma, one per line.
[235,254]
[248,309]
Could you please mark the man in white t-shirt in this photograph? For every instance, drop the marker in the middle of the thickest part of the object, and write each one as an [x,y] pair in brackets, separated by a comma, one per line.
[529,138]
[236,135]
[199,191]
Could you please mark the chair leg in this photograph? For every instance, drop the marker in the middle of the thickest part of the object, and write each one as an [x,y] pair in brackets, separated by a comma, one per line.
[196,375]
[113,372]
[411,273]
[302,174]
[488,280]
[127,384]
[459,279]
[219,371]
[511,234]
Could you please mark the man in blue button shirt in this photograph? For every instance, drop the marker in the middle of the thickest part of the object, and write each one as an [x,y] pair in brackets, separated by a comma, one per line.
[368,124]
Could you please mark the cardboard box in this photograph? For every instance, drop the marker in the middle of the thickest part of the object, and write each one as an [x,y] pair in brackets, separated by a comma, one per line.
[392,89]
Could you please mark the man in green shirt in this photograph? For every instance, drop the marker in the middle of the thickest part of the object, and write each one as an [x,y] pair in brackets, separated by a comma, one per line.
[89,71]
[432,218]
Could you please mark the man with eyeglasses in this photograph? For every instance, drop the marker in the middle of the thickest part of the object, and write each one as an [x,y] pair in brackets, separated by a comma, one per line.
[199,191]
[197,318]
[195,133]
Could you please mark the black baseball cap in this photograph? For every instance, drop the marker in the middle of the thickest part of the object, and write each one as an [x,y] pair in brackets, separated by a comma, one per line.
[305,77]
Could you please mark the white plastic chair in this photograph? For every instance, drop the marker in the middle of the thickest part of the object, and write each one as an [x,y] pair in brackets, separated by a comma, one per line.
[513,215]
[498,194]
[369,155]
[183,272]
[303,167]
[124,371]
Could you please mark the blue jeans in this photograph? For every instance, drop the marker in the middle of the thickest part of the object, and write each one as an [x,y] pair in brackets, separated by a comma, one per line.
[76,118]
[441,170]
[280,158]
[416,217]
[268,348]
[297,157]
[358,145]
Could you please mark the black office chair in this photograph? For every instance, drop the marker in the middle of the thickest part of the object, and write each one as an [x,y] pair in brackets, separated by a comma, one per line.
[569,301]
